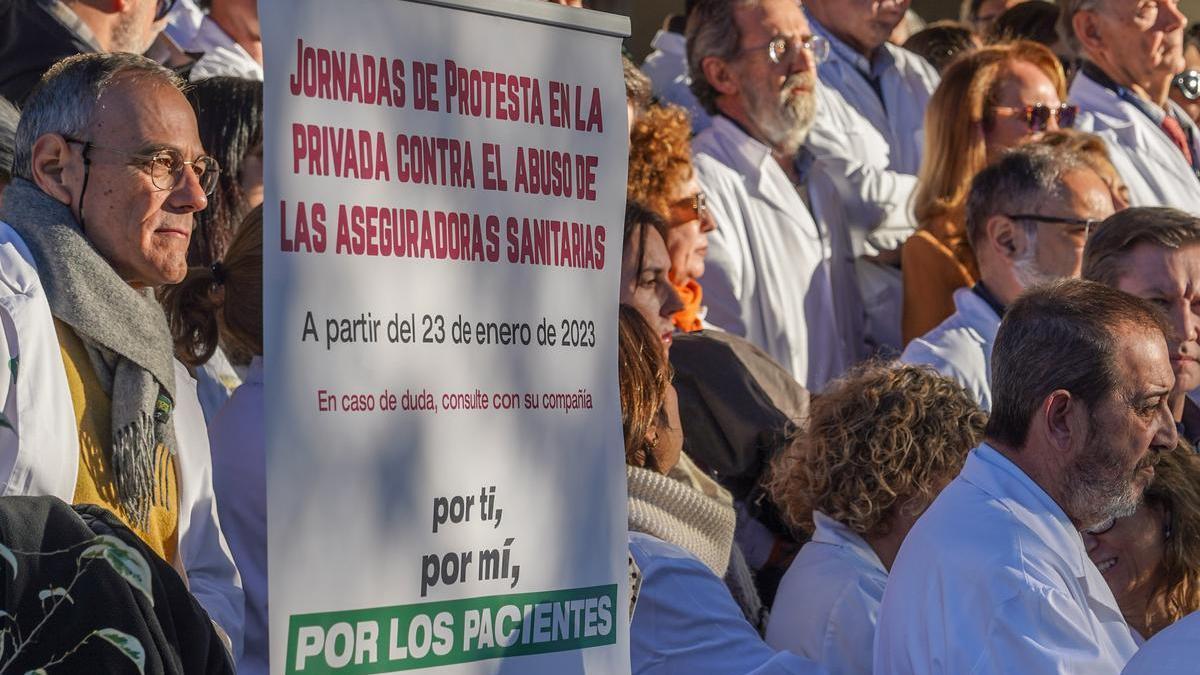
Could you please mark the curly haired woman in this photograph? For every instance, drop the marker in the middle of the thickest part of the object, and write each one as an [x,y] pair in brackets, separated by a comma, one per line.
[662,178]
[879,446]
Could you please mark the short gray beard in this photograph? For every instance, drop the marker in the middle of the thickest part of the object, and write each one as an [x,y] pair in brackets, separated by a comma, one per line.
[1026,268]
[1091,494]
[785,120]
[127,38]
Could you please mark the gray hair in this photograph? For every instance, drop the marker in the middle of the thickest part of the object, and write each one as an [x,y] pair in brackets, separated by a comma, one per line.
[1029,174]
[711,31]
[1066,18]
[65,98]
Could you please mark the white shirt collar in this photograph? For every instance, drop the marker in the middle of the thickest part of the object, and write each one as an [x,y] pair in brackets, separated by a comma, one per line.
[999,477]
[831,532]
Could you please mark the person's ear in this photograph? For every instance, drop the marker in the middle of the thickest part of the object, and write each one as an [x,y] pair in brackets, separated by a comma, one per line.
[51,162]
[1002,237]
[1062,421]
[720,75]
[1086,24]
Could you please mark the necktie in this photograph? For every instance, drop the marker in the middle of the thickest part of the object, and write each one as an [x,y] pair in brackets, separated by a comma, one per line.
[1174,131]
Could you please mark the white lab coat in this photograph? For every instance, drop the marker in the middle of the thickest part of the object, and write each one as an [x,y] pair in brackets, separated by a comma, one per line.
[867,155]
[686,622]
[42,457]
[1154,169]
[769,276]
[961,346]
[1174,651]
[667,69]
[870,153]
[239,456]
[828,601]
[994,578]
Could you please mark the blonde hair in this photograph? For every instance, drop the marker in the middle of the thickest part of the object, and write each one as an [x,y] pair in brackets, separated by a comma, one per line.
[958,113]
[643,375]
[883,436]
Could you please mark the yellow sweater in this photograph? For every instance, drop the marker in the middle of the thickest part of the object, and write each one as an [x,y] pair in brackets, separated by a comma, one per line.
[96,483]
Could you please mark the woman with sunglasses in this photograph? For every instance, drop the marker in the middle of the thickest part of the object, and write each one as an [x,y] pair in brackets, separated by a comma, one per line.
[988,101]
[1151,559]
[661,177]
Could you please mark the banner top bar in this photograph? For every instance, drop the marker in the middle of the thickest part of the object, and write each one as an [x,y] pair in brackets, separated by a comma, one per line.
[540,11]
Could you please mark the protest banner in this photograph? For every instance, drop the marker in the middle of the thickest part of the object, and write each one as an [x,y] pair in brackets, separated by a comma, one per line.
[445,187]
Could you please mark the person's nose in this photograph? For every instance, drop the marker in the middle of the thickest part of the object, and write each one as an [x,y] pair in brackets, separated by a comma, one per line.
[188,195]
[1166,437]
[671,301]
[1090,542]
[804,60]
[1170,19]
[1189,323]
[707,222]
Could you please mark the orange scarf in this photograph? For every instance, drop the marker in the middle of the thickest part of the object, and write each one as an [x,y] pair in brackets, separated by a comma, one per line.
[688,318]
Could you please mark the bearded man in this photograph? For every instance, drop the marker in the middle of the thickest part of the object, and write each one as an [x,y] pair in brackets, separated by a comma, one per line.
[994,577]
[773,275]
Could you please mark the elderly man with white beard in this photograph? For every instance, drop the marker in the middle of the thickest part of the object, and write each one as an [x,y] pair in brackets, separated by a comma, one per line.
[1028,218]
[771,274]
[994,577]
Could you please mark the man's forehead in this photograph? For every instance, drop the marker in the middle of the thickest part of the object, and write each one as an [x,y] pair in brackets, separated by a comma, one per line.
[1087,194]
[1144,359]
[142,111]
[772,17]
[1149,265]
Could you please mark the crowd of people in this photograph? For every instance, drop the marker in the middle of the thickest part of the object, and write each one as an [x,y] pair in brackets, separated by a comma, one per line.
[966,252]
[908,339]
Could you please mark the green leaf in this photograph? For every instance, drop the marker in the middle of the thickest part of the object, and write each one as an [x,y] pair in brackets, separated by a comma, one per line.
[123,558]
[7,554]
[57,592]
[39,671]
[128,645]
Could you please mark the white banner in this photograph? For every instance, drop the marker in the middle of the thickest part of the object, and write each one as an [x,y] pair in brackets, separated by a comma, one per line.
[445,186]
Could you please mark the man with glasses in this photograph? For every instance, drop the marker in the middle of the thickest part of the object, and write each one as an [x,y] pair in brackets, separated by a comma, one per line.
[994,577]
[34,34]
[1131,51]
[107,172]
[1154,253]
[1028,218]
[868,141]
[771,275]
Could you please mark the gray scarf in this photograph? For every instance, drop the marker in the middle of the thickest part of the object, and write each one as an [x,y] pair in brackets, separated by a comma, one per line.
[124,330]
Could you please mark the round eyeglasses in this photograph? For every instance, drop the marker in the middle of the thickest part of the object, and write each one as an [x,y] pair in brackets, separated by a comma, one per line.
[165,166]
[1037,116]
[785,50]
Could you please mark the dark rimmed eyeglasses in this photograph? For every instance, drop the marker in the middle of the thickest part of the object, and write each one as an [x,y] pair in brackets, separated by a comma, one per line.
[785,50]
[165,166]
[163,9]
[1188,84]
[1037,116]
[690,208]
[1088,225]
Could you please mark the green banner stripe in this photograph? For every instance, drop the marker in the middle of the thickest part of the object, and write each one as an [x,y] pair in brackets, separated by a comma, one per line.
[405,637]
